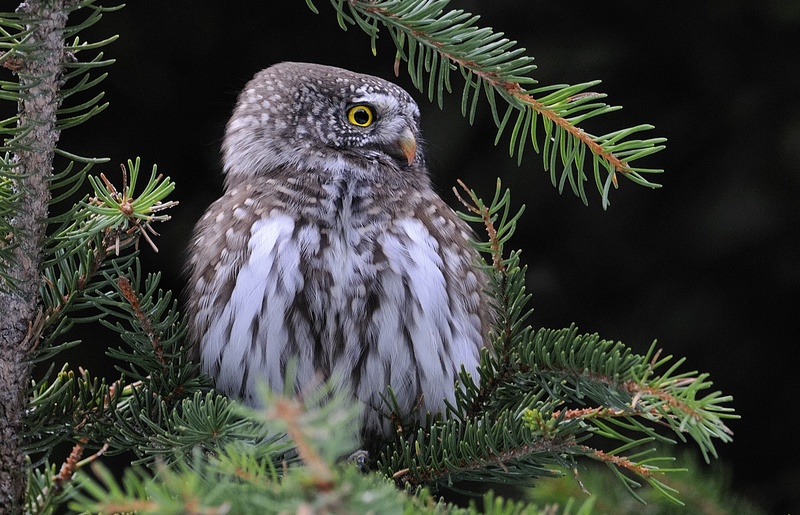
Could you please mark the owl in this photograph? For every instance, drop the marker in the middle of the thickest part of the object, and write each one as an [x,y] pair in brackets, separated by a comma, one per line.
[331,250]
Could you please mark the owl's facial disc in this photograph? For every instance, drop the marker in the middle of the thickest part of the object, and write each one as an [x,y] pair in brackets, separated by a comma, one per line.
[381,124]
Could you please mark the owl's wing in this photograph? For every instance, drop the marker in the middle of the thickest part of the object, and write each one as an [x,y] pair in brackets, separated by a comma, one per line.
[242,255]
[428,321]
[252,328]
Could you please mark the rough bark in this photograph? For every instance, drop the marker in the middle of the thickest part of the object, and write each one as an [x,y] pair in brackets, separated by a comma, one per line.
[39,75]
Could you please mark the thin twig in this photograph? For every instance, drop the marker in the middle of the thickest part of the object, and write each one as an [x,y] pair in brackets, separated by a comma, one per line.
[127,291]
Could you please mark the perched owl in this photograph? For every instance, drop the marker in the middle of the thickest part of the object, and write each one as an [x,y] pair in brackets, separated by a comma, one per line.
[331,248]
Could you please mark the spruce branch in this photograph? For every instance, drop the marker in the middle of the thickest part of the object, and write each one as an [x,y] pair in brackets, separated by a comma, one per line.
[704,490]
[58,484]
[238,476]
[148,321]
[88,244]
[548,397]
[75,407]
[435,42]
[156,373]
[124,415]
[130,215]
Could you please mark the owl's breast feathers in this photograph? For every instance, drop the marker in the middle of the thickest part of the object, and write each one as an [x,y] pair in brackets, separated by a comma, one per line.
[347,277]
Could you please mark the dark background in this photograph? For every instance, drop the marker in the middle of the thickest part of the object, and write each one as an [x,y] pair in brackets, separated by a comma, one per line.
[708,265]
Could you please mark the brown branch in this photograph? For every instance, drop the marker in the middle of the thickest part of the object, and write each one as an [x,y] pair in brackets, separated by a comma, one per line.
[483,212]
[404,477]
[575,131]
[667,399]
[74,462]
[620,461]
[632,387]
[669,402]
[590,413]
[515,90]
[70,465]
[127,291]
[39,72]
[486,387]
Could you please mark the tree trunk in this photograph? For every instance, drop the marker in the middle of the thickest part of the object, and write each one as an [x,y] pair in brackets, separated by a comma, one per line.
[41,66]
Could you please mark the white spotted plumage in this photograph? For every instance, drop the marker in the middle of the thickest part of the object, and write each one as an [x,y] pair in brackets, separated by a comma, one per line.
[331,248]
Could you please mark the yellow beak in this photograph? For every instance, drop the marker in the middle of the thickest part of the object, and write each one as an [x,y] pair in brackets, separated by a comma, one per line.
[408,144]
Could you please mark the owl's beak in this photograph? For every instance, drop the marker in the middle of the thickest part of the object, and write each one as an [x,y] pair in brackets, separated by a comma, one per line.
[407,144]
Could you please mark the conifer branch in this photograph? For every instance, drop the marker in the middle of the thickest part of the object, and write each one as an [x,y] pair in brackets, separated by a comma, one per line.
[97,229]
[435,42]
[528,411]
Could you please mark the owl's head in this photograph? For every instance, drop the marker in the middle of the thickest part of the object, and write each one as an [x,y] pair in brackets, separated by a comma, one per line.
[320,119]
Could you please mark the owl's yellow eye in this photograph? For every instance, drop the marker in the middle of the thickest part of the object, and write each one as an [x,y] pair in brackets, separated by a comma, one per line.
[360,115]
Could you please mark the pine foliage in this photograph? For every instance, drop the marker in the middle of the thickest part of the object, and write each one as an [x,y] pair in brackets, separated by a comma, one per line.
[547,401]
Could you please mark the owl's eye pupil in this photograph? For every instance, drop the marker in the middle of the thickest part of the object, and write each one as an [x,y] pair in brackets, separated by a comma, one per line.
[360,115]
